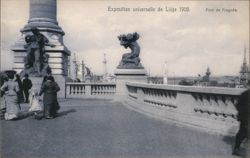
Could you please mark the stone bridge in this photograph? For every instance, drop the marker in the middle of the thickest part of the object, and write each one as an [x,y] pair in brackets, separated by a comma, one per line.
[150,121]
[211,109]
[106,129]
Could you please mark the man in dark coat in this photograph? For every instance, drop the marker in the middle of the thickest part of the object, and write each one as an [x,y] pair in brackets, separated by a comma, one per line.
[27,84]
[50,89]
[243,118]
[20,93]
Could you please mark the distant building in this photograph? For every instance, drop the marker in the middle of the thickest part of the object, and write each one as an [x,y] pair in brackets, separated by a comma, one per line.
[74,68]
[244,71]
[83,76]
[187,82]
[160,80]
[155,80]
[105,72]
[165,78]
[206,78]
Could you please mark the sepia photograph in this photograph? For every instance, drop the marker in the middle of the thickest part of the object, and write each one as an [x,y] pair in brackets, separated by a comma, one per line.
[124,79]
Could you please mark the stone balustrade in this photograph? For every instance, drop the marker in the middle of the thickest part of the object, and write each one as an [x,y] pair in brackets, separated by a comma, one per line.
[207,108]
[90,90]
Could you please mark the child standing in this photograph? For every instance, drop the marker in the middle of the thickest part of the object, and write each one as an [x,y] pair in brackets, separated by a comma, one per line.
[35,106]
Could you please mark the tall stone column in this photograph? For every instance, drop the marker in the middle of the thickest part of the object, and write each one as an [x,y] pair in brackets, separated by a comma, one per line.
[43,15]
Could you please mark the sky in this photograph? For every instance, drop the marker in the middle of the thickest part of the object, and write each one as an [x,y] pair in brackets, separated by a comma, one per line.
[188,42]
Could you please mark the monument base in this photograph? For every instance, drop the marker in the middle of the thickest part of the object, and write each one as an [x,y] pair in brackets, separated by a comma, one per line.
[37,83]
[127,75]
[61,81]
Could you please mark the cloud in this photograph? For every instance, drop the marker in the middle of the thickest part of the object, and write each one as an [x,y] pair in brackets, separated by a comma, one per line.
[189,42]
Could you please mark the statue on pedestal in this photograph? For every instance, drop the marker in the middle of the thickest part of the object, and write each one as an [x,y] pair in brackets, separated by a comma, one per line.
[36,60]
[130,60]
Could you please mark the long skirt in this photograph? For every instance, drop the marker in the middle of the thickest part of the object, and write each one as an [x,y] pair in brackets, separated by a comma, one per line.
[51,105]
[12,107]
[50,110]
[34,105]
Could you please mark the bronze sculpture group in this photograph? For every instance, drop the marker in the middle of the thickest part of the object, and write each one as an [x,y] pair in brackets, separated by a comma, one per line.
[130,60]
[36,60]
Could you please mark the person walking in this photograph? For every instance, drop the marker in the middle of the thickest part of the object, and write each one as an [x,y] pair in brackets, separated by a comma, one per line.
[243,118]
[27,84]
[50,89]
[20,85]
[3,79]
[11,89]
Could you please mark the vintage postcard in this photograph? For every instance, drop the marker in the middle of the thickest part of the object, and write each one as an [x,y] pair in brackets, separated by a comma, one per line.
[124,79]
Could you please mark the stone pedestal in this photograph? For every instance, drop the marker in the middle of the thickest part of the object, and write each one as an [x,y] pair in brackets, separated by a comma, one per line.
[87,79]
[36,83]
[43,16]
[58,58]
[61,81]
[127,75]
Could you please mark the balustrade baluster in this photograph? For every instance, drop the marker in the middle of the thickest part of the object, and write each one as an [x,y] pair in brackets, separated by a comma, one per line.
[81,89]
[86,90]
[68,90]
[73,89]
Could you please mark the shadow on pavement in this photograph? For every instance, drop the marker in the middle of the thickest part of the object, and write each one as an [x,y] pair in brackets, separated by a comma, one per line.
[229,140]
[62,113]
[24,115]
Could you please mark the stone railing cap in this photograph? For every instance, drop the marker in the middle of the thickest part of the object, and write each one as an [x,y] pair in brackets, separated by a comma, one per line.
[192,89]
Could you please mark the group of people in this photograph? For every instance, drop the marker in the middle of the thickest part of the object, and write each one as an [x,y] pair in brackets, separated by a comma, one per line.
[14,91]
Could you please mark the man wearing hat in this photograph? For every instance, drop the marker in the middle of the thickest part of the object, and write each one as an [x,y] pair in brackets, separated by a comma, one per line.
[27,84]
[243,118]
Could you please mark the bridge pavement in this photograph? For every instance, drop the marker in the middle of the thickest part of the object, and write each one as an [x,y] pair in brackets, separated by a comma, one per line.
[98,128]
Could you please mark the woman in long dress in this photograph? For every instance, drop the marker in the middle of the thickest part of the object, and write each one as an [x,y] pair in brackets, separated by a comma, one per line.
[50,89]
[11,90]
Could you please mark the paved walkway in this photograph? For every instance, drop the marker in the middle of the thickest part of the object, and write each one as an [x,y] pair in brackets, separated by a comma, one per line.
[98,128]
